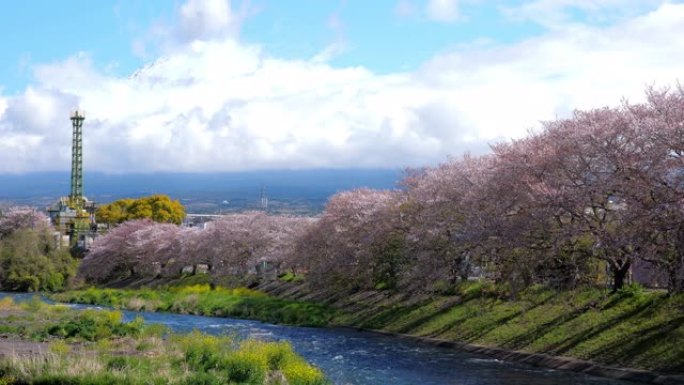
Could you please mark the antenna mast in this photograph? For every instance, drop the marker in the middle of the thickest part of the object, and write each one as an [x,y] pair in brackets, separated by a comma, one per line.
[76,195]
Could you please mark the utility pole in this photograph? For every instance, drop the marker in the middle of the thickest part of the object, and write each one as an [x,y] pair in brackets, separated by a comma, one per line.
[264,199]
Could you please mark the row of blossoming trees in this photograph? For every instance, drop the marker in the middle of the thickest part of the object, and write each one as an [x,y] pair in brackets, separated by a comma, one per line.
[230,247]
[583,198]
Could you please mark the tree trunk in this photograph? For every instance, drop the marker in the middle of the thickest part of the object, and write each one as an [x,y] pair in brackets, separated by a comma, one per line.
[465,269]
[454,271]
[675,281]
[619,270]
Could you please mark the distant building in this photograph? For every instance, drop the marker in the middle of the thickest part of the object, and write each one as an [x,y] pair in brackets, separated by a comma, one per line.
[200,220]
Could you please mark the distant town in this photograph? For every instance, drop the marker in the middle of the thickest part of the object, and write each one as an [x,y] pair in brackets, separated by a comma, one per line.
[297,192]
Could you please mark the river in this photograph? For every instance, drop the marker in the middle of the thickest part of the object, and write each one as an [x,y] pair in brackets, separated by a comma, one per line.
[351,357]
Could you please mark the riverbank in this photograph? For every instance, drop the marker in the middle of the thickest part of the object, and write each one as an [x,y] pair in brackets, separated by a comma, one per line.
[550,362]
[633,329]
[202,299]
[583,330]
[60,345]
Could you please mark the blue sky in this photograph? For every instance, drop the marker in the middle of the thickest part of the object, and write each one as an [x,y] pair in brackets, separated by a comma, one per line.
[235,85]
[44,31]
[378,34]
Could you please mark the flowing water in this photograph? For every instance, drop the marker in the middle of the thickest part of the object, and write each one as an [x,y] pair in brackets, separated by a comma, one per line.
[350,357]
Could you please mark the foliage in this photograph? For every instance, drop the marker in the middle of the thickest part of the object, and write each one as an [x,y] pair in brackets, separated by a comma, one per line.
[159,208]
[29,257]
[95,325]
[235,246]
[17,217]
[29,260]
[356,244]
[291,277]
[201,299]
[631,290]
[89,357]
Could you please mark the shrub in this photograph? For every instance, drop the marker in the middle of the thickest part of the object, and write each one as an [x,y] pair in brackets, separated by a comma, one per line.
[291,277]
[155,330]
[59,347]
[301,373]
[93,325]
[245,367]
[31,262]
[275,355]
[118,363]
[8,303]
[203,378]
[201,352]
[278,354]
[632,290]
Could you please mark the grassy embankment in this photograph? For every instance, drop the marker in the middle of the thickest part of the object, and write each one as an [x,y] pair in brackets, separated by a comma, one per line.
[96,347]
[201,299]
[634,328]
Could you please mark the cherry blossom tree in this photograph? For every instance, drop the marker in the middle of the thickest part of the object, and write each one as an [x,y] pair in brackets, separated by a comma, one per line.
[21,217]
[658,181]
[116,254]
[236,244]
[443,233]
[346,248]
[231,247]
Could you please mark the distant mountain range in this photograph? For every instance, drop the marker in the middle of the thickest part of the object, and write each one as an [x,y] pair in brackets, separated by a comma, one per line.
[300,192]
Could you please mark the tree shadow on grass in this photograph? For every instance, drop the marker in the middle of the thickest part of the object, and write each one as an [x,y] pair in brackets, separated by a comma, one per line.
[370,314]
[442,309]
[502,321]
[476,334]
[384,316]
[572,342]
[527,338]
[397,307]
[379,297]
[624,350]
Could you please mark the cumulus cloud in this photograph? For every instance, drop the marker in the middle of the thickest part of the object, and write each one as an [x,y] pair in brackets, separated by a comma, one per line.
[443,10]
[217,104]
[194,20]
[202,19]
[557,13]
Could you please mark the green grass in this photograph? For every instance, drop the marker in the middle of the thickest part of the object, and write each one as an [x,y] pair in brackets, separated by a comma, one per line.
[633,328]
[291,277]
[204,300]
[96,347]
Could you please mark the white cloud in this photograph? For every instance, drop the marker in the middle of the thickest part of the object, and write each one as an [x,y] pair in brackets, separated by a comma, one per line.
[202,19]
[509,87]
[557,13]
[218,104]
[339,43]
[443,10]
[3,104]
[195,20]
[332,50]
